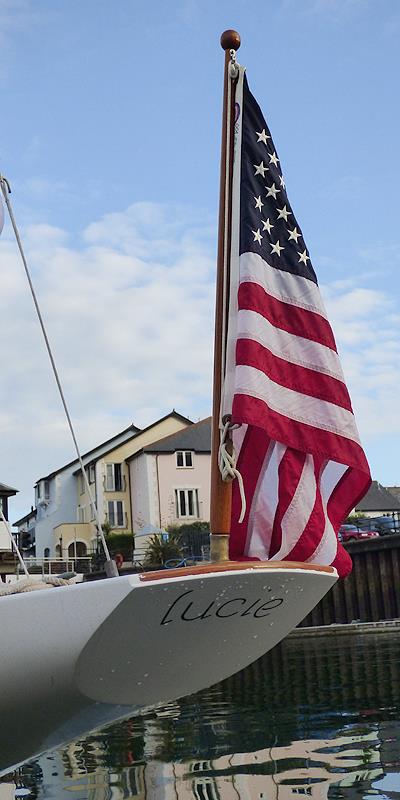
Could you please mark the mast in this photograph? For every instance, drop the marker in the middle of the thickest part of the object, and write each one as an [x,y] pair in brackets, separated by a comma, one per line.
[221,492]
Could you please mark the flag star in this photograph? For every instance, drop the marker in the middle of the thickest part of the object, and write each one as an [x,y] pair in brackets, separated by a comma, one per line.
[257,236]
[294,234]
[260,169]
[276,248]
[284,213]
[259,204]
[267,226]
[282,182]
[262,136]
[303,257]
[272,191]
[273,159]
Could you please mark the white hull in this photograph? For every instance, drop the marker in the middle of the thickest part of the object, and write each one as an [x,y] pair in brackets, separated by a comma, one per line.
[78,657]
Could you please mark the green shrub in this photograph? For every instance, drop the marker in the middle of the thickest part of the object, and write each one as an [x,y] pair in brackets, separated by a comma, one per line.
[120,543]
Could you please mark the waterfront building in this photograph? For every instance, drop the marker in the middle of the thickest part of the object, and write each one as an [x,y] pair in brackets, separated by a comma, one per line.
[63,517]
[170,482]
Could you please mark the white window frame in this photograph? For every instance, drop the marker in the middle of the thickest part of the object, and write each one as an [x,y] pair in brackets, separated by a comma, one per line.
[81,514]
[109,478]
[187,455]
[92,473]
[184,506]
[114,515]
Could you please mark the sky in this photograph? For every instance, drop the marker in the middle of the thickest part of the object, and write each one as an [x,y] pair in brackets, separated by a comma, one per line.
[110,139]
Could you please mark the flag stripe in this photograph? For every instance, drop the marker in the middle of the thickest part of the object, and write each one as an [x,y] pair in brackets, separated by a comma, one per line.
[285,345]
[289,318]
[300,379]
[293,289]
[251,459]
[296,406]
[305,437]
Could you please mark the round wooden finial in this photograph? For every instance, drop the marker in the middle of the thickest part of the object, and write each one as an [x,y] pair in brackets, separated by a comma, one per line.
[230,40]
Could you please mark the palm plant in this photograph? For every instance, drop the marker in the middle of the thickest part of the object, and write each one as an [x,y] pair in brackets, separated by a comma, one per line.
[160,550]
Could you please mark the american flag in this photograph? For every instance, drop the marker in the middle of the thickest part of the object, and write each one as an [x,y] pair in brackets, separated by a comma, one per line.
[298,448]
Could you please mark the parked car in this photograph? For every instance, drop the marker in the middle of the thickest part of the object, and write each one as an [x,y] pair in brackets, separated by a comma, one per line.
[351,533]
[386,525]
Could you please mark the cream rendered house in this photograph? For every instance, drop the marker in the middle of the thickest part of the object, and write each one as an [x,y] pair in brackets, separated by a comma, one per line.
[170,482]
[108,477]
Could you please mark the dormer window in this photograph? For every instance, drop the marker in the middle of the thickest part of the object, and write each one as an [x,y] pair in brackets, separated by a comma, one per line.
[184,458]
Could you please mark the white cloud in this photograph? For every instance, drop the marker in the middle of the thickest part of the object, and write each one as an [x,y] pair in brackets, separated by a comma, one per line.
[130,318]
[367,329]
[130,315]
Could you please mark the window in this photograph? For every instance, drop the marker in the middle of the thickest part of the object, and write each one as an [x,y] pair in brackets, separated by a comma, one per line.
[116,513]
[114,482]
[204,789]
[187,503]
[184,458]
[92,473]
[81,514]
[43,490]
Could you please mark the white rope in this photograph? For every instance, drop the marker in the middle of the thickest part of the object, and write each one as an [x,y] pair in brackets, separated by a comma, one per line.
[13,542]
[30,585]
[5,188]
[227,461]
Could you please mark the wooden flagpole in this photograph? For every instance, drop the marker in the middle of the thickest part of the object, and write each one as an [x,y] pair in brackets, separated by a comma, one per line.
[221,491]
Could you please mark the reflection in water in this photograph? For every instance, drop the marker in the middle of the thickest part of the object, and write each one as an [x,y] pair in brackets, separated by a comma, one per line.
[315,717]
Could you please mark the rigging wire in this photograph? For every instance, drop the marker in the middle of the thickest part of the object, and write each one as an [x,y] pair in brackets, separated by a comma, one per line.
[6,191]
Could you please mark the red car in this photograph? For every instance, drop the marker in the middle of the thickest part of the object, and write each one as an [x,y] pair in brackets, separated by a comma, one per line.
[350,533]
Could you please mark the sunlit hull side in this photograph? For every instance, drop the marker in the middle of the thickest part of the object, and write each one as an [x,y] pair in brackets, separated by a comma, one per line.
[78,657]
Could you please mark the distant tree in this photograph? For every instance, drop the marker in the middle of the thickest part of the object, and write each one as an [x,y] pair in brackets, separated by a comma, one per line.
[354,519]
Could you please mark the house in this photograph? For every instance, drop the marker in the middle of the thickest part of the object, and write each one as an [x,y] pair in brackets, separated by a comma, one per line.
[55,498]
[108,478]
[378,502]
[64,523]
[26,532]
[170,481]
[5,493]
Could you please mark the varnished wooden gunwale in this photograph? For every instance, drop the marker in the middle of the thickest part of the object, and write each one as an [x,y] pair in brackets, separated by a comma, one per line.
[234,566]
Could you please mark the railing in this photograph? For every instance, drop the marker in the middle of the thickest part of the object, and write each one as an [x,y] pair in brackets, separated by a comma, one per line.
[55,566]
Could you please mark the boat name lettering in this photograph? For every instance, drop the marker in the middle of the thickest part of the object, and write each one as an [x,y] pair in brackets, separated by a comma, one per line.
[236,606]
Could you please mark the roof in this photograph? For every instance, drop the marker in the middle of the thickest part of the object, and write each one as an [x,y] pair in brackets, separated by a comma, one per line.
[7,490]
[135,430]
[378,499]
[21,521]
[173,413]
[197,437]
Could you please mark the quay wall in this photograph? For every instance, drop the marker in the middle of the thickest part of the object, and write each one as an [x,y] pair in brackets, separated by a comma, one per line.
[370,593]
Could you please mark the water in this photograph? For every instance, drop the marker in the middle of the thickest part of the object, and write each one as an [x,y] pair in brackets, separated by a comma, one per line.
[317,718]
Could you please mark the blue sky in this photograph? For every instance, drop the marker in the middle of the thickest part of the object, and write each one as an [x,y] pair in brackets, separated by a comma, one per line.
[110,138]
